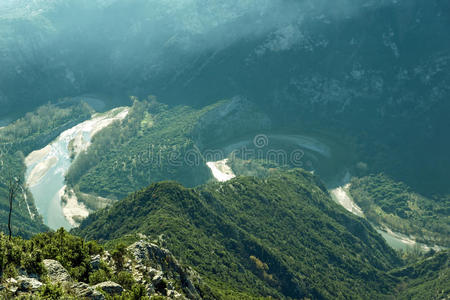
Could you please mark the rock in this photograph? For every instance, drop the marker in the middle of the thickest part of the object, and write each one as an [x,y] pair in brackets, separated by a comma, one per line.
[157,278]
[56,271]
[150,289]
[11,285]
[163,269]
[27,284]
[95,262]
[172,294]
[110,287]
[82,290]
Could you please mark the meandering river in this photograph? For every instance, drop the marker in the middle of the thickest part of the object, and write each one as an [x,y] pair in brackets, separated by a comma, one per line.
[46,169]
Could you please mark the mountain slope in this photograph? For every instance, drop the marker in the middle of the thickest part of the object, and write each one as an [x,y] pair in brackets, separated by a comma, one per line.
[376,69]
[281,236]
[427,278]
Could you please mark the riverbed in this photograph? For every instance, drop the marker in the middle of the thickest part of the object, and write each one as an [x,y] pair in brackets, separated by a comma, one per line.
[46,168]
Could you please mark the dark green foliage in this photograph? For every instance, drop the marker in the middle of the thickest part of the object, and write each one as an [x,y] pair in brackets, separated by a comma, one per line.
[37,129]
[99,276]
[71,251]
[428,278]
[148,146]
[125,279]
[51,291]
[385,201]
[118,255]
[311,246]
[137,292]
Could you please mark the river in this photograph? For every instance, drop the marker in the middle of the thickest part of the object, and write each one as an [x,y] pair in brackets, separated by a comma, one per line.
[46,168]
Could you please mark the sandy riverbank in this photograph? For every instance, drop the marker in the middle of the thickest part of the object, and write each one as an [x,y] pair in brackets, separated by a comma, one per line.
[73,210]
[37,155]
[220,170]
[342,196]
[80,136]
[40,170]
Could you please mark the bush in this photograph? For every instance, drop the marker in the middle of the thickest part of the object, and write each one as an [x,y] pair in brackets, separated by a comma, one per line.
[51,291]
[125,279]
[118,256]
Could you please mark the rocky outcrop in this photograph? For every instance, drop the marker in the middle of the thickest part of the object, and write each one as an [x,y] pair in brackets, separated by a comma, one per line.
[150,265]
[160,272]
[27,284]
[55,271]
[110,287]
[21,285]
[95,262]
[83,290]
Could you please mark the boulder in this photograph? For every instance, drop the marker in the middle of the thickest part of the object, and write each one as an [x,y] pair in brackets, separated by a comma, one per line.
[110,287]
[95,262]
[162,268]
[56,271]
[172,294]
[27,284]
[82,290]
[11,285]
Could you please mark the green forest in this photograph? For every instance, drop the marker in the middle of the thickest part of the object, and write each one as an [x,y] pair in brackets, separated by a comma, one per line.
[153,143]
[281,237]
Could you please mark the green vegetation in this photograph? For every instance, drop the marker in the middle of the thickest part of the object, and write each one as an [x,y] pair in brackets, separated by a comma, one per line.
[37,129]
[19,255]
[253,167]
[12,165]
[387,202]
[279,237]
[427,278]
[71,251]
[32,132]
[153,143]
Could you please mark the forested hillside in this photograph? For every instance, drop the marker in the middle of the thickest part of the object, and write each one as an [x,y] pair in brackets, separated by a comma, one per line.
[281,236]
[157,142]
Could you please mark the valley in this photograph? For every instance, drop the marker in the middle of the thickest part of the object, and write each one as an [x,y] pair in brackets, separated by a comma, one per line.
[239,149]
[254,155]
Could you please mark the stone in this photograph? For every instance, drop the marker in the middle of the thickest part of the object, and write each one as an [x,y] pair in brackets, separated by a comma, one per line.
[172,294]
[164,270]
[110,287]
[83,290]
[27,284]
[56,271]
[95,262]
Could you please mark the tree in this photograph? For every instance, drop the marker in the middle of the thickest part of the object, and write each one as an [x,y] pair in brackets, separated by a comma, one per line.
[13,188]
